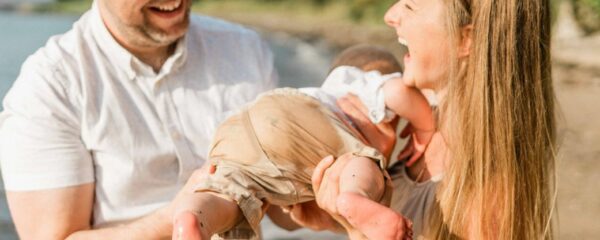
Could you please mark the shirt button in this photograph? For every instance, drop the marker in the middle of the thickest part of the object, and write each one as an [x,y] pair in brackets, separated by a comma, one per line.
[175,135]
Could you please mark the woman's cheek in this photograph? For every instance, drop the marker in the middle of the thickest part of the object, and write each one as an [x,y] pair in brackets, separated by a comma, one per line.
[419,72]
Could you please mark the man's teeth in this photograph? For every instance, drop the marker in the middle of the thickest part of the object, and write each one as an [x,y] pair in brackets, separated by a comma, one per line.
[168,6]
[403,42]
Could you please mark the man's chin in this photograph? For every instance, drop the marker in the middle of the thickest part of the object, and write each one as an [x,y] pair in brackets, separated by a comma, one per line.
[166,37]
[165,40]
[167,34]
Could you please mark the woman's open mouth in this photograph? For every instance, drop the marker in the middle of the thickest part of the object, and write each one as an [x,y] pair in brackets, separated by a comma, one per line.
[404,44]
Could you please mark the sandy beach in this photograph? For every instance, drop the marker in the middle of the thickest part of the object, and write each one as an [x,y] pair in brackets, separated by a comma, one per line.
[578,168]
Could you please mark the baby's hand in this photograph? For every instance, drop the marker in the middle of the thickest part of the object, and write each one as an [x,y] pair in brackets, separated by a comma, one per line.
[419,140]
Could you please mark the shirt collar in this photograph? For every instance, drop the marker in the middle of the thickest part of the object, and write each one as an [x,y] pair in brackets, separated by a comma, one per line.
[127,61]
[171,65]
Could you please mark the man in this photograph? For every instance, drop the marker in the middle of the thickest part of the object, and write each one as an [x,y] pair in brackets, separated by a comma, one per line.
[107,122]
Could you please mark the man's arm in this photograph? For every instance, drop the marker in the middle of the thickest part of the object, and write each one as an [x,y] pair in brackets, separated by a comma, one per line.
[51,214]
[156,225]
[66,214]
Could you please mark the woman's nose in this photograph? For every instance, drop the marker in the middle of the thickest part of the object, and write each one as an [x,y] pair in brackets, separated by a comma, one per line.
[392,16]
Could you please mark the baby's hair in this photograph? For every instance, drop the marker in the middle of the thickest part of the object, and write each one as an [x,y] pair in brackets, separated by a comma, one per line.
[368,58]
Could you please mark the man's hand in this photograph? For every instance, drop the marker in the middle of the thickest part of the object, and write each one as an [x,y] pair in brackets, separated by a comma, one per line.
[189,187]
[191,183]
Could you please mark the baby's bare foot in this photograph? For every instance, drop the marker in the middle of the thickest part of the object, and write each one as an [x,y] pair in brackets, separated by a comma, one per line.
[185,227]
[374,220]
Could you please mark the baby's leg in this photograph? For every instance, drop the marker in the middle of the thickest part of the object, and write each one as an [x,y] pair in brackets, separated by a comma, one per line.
[203,214]
[362,176]
[362,186]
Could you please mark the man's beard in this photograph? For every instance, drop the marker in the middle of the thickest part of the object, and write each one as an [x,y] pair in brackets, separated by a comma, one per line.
[160,37]
[147,35]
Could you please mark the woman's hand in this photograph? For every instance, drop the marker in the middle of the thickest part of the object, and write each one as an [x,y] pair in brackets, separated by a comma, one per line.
[381,136]
[414,148]
[310,214]
[325,181]
[322,213]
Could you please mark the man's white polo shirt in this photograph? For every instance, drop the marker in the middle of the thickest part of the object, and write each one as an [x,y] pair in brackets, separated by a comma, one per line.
[85,110]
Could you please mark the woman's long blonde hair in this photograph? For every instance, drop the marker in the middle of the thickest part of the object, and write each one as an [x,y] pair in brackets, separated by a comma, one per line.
[499,124]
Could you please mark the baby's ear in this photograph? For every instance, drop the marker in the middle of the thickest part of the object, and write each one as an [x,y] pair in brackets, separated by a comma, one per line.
[466,40]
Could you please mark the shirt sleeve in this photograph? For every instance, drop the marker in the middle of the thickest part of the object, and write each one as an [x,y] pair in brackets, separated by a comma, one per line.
[271,77]
[368,86]
[40,142]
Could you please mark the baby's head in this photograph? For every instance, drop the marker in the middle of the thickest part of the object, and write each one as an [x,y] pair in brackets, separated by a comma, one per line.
[368,58]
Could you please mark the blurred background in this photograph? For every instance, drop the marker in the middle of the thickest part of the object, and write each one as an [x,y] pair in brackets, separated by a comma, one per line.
[306,34]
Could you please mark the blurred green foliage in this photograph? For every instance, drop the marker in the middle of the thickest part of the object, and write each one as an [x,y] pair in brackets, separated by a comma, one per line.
[587,13]
[360,9]
[65,6]
[357,10]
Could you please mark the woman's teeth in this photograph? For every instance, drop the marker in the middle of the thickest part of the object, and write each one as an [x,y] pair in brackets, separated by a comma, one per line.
[403,42]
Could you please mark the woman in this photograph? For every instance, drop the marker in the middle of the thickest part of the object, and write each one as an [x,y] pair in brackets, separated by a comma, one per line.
[489,63]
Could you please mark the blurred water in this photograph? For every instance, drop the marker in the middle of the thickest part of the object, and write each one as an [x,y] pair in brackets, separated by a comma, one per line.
[299,64]
[22,35]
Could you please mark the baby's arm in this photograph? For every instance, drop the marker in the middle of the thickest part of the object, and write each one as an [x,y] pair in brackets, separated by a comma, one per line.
[411,104]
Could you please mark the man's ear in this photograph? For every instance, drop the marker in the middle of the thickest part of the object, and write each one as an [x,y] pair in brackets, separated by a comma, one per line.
[466,40]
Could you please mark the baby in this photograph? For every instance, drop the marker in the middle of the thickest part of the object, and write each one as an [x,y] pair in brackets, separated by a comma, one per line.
[267,152]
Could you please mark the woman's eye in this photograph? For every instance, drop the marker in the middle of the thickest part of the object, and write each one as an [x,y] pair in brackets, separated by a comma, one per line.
[408,6]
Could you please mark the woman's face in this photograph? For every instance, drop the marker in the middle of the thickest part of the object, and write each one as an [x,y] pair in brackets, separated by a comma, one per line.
[419,25]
